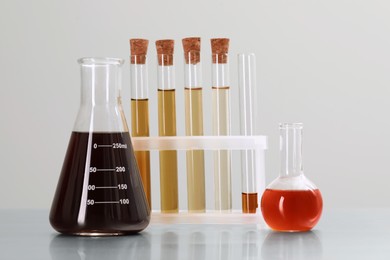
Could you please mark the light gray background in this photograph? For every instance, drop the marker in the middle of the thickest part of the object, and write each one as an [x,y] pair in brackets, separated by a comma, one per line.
[323,63]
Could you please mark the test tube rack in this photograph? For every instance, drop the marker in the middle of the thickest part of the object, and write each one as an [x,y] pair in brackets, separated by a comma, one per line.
[258,143]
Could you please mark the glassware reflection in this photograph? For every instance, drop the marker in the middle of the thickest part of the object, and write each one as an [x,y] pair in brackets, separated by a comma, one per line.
[197,246]
[223,245]
[249,245]
[64,247]
[169,246]
[174,242]
[278,245]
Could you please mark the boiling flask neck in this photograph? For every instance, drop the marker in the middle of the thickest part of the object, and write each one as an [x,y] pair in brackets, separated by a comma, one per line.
[291,150]
[100,103]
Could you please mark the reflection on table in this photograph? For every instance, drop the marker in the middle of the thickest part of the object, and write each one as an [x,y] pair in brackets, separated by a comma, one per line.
[176,242]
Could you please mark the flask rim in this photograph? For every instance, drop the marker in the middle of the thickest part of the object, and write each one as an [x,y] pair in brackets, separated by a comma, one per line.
[100,61]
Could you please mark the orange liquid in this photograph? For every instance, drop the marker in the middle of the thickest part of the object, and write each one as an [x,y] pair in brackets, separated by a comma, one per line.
[291,210]
[140,127]
[249,202]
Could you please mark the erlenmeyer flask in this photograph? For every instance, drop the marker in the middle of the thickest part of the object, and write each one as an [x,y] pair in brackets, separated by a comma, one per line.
[291,202]
[100,190]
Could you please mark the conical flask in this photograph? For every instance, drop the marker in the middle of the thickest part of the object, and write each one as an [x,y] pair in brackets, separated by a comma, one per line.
[99,191]
[291,203]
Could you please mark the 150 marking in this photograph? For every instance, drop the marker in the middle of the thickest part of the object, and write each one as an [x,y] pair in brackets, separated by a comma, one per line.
[122,186]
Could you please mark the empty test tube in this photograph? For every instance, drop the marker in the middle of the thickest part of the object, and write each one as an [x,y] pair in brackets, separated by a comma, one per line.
[247,97]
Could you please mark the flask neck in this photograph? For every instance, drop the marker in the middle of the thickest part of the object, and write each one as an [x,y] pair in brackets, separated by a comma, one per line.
[100,82]
[291,149]
[101,108]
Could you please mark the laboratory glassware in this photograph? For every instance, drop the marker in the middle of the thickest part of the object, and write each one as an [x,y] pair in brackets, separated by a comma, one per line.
[167,125]
[194,123]
[291,203]
[247,97]
[140,106]
[99,191]
[221,122]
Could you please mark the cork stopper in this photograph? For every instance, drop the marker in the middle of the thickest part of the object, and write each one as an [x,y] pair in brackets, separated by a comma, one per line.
[138,50]
[191,48]
[220,49]
[165,50]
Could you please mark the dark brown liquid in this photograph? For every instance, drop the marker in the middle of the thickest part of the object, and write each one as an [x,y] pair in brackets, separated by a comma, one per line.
[249,202]
[100,190]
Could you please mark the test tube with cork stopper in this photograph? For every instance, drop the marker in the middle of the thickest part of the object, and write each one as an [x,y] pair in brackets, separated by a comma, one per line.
[221,122]
[194,123]
[167,125]
[140,106]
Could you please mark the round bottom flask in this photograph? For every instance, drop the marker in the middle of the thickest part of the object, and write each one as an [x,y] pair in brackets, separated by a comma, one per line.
[291,203]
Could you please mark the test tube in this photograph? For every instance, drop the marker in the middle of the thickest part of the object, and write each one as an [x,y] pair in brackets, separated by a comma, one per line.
[247,85]
[167,125]
[221,122]
[194,124]
[140,106]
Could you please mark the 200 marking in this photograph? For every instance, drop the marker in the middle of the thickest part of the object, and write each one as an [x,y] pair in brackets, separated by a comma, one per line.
[120,169]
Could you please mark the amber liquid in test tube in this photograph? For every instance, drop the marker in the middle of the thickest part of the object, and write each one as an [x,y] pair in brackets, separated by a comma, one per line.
[247,96]
[221,122]
[140,106]
[194,124]
[167,125]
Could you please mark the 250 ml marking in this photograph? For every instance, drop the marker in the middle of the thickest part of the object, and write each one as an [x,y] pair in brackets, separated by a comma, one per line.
[113,146]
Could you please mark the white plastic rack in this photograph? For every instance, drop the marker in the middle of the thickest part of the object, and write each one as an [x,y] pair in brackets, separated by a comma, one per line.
[257,143]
